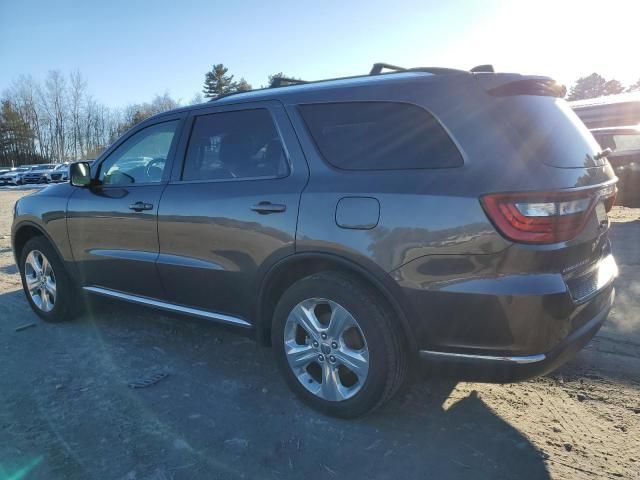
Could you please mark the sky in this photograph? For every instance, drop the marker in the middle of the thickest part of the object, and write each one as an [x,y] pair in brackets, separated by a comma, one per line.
[128,51]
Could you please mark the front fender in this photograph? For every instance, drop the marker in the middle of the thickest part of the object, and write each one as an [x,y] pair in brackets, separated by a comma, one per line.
[45,211]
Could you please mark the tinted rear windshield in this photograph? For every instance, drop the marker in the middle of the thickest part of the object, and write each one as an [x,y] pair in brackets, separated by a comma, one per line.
[379,136]
[547,130]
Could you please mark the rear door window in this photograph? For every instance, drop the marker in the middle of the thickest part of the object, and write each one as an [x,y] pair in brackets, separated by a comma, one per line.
[379,136]
[238,145]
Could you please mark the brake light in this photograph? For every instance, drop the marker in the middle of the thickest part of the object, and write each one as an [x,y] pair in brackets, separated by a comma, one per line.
[544,217]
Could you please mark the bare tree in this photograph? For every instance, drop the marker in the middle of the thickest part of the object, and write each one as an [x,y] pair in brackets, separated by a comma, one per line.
[197,98]
[53,99]
[58,119]
[77,91]
[22,96]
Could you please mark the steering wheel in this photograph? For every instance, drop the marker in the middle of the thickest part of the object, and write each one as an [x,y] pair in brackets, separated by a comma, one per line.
[152,164]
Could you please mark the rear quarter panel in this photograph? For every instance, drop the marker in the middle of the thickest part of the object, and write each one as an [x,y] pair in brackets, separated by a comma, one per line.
[432,230]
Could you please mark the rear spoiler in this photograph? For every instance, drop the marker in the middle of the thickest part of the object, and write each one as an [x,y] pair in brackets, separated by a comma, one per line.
[540,86]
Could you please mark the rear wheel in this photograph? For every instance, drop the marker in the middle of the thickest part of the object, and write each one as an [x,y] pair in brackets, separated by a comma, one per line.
[47,286]
[338,345]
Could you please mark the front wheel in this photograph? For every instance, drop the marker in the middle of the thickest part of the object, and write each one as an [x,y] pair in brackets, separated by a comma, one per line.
[47,286]
[338,345]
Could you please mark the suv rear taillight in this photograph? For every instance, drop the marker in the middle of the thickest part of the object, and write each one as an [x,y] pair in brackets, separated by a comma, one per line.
[545,217]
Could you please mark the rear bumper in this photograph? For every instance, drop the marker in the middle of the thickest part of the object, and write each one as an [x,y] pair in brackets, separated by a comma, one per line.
[507,368]
[477,324]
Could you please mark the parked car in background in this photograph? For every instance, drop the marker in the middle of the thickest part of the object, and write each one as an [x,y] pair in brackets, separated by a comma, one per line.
[625,160]
[60,173]
[14,176]
[614,121]
[38,174]
[610,111]
[361,226]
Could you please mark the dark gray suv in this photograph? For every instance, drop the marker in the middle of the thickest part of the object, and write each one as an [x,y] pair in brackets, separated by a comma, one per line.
[361,226]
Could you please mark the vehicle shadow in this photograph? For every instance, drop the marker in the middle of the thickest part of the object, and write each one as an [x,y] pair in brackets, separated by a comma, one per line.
[223,411]
[9,269]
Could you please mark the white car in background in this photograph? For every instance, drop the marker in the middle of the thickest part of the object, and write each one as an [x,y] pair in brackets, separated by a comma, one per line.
[38,173]
[60,173]
[14,176]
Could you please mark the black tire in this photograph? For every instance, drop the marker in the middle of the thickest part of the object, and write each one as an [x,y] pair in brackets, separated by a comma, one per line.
[65,306]
[387,347]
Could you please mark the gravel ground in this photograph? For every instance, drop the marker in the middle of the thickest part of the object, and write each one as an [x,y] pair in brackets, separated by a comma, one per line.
[222,411]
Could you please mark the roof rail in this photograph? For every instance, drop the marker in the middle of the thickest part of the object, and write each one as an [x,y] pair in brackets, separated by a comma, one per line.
[375,70]
[277,82]
[285,82]
[228,94]
[486,68]
[378,67]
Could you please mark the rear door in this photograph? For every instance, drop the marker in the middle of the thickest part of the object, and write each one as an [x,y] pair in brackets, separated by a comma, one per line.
[230,209]
[113,224]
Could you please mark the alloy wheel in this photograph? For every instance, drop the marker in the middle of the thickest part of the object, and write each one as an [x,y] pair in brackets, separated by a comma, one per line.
[40,280]
[326,349]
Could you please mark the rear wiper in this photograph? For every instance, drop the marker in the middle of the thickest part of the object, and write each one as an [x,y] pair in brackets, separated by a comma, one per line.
[604,153]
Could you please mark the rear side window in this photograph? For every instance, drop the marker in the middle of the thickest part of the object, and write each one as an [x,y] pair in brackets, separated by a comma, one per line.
[235,145]
[379,136]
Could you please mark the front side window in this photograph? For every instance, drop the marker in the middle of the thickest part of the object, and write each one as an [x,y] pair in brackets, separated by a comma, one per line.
[234,145]
[141,158]
[379,136]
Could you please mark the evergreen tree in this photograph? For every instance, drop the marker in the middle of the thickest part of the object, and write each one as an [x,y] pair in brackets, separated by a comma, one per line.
[587,87]
[634,88]
[612,87]
[275,76]
[217,82]
[594,86]
[16,138]
[243,86]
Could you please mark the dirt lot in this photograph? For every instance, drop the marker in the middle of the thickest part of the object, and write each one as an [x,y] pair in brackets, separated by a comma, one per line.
[223,411]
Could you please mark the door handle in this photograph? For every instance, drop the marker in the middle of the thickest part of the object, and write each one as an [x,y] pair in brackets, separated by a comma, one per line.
[140,206]
[265,208]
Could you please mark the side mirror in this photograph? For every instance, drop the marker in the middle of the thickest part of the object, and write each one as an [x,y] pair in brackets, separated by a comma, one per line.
[80,174]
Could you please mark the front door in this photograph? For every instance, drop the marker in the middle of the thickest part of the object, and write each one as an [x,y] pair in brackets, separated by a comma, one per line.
[231,210]
[113,224]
